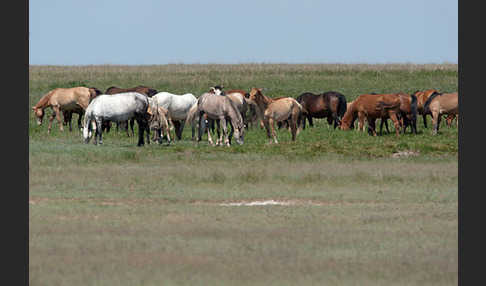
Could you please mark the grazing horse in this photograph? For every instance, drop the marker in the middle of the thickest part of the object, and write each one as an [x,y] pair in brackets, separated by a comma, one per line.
[212,105]
[331,105]
[116,90]
[277,110]
[422,97]
[116,107]
[441,103]
[178,107]
[66,100]
[159,121]
[407,115]
[371,107]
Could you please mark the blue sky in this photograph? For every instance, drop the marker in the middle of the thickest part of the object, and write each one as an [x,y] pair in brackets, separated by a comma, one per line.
[304,31]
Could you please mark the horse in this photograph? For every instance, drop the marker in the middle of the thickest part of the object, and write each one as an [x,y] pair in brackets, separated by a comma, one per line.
[422,97]
[178,107]
[238,97]
[277,110]
[214,105]
[159,121]
[116,90]
[116,107]
[441,103]
[68,100]
[371,107]
[331,105]
[407,115]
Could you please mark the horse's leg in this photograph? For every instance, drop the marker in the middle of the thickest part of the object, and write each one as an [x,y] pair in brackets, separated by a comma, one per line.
[293,127]
[271,122]
[210,140]
[177,127]
[80,118]
[220,133]
[224,126]
[57,110]
[371,126]
[99,128]
[424,116]
[94,131]
[396,123]
[132,123]
[266,123]
[361,119]
[141,121]
[311,124]
[382,121]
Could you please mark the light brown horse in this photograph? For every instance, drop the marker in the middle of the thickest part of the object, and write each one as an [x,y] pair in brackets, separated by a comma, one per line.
[371,107]
[59,100]
[275,111]
[239,99]
[441,103]
[422,97]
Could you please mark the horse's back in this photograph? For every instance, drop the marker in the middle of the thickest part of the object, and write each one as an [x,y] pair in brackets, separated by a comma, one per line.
[70,98]
[117,107]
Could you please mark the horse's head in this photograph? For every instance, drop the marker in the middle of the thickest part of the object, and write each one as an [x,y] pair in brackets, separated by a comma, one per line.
[239,133]
[94,92]
[255,93]
[218,90]
[151,92]
[39,114]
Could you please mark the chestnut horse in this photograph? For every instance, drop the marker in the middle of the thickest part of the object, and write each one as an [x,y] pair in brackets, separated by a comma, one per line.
[371,107]
[408,113]
[277,110]
[116,90]
[441,103]
[422,97]
[66,100]
[331,105]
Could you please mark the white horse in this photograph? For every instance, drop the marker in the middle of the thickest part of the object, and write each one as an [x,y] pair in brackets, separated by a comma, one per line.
[178,107]
[116,107]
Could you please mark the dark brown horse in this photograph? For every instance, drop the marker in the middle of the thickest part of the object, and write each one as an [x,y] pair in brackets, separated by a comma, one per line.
[371,107]
[331,105]
[115,90]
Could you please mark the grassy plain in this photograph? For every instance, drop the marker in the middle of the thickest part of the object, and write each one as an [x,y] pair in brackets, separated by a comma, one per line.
[117,214]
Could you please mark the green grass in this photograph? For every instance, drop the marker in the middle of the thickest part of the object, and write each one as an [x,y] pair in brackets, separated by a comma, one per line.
[118,214]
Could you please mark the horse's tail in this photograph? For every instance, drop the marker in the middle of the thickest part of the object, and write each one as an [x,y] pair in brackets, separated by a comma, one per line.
[428,101]
[413,107]
[191,114]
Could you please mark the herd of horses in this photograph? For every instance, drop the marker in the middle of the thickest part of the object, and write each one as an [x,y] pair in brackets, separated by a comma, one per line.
[217,108]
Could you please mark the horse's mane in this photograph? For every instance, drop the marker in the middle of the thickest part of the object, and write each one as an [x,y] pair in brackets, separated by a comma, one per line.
[349,115]
[429,100]
[44,101]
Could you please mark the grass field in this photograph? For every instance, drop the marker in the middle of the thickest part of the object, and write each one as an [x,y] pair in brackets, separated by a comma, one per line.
[118,214]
